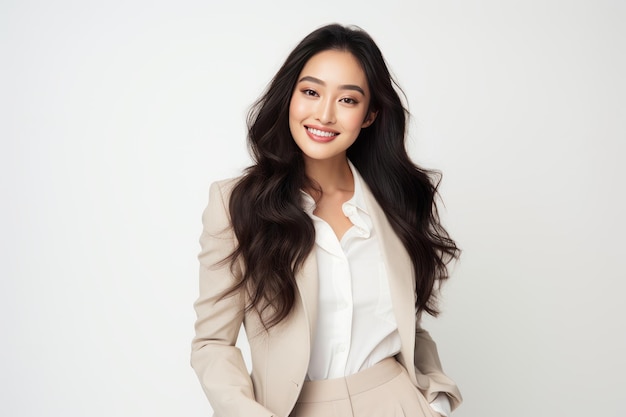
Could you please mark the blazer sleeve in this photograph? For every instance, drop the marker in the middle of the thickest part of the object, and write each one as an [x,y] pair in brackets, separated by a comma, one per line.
[217,362]
[429,370]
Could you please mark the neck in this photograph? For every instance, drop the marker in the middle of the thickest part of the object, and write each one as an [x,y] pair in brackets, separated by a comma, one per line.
[331,175]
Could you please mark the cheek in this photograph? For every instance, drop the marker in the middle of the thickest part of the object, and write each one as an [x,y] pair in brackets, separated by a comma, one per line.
[296,108]
[294,116]
[354,120]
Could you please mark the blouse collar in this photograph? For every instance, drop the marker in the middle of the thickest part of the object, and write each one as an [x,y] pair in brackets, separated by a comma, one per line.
[351,208]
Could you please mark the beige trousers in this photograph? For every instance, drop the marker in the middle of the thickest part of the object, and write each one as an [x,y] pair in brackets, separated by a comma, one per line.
[384,390]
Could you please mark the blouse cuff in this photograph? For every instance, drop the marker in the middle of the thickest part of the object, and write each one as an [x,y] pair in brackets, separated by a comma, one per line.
[441,404]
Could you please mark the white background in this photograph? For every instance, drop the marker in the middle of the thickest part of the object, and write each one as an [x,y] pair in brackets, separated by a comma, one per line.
[115,117]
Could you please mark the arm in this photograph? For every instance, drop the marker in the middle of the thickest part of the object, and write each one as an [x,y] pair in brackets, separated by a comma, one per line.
[429,370]
[217,362]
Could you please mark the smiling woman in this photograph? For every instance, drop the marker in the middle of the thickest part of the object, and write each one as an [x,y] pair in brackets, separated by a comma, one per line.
[328,250]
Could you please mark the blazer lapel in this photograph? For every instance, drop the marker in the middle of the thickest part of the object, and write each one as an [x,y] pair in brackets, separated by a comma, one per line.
[401,279]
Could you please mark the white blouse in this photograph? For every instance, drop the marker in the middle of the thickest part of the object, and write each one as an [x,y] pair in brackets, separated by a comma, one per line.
[356,327]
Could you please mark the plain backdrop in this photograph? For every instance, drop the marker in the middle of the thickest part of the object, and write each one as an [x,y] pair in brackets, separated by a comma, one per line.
[116,116]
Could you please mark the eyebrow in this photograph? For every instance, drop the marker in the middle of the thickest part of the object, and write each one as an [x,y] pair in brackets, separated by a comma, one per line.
[341,87]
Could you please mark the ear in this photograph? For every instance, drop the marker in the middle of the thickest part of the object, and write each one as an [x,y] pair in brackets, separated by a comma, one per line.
[369,119]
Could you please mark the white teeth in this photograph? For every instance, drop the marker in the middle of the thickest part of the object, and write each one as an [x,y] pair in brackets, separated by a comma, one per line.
[318,132]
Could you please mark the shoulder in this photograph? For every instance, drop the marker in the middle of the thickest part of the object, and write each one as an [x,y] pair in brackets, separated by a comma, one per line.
[224,187]
[216,213]
[222,190]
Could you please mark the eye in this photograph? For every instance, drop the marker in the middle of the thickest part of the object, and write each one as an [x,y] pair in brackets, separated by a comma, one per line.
[309,92]
[348,100]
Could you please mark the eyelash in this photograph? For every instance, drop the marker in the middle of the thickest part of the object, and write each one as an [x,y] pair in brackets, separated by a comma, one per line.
[313,93]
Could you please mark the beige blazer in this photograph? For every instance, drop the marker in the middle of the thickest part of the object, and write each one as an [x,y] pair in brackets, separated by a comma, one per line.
[280,355]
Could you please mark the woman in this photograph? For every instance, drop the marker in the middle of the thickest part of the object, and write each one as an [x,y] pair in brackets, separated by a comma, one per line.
[328,250]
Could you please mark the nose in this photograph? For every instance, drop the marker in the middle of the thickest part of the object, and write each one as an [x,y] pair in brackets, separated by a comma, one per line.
[326,111]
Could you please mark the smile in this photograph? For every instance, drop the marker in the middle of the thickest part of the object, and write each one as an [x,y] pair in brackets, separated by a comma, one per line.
[317,134]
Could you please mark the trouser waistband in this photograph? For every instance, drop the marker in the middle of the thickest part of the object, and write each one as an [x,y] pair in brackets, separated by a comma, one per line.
[341,388]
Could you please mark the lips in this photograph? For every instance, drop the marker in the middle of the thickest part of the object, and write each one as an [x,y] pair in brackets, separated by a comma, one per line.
[321,135]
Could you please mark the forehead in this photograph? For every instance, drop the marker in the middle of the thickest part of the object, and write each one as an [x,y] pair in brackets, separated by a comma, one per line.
[335,67]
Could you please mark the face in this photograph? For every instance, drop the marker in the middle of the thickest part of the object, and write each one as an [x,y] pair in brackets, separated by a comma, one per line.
[329,105]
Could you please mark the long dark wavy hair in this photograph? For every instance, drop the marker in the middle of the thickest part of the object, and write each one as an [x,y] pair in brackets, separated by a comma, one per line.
[275,235]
